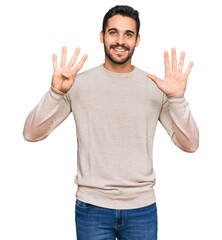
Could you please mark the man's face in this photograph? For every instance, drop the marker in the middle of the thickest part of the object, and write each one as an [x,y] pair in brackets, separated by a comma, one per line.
[120,39]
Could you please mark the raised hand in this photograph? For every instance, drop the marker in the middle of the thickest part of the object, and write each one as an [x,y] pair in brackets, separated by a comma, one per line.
[174,81]
[64,77]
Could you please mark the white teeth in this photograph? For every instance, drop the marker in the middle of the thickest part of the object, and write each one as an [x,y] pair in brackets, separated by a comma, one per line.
[119,50]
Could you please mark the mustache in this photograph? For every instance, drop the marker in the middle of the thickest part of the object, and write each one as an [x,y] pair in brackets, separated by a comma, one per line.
[122,46]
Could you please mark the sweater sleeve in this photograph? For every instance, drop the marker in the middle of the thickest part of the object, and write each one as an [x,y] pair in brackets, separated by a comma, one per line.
[53,108]
[178,121]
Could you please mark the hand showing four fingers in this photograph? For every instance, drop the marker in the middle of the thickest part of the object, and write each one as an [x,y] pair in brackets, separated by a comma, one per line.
[64,77]
[174,81]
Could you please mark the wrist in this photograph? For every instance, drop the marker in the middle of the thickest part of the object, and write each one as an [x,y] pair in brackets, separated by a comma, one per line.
[176,95]
[56,91]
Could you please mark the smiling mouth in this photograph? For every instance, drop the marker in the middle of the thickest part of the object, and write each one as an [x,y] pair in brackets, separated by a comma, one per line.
[120,50]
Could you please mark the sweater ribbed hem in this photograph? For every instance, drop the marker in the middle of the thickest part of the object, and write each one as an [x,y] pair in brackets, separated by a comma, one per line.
[98,198]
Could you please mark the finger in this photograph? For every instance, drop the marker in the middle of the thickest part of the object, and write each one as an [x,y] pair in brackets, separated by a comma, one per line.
[174,59]
[74,57]
[55,64]
[180,66]
[188,69]
[63,59]
[166,61]
[80,64]
[155,79]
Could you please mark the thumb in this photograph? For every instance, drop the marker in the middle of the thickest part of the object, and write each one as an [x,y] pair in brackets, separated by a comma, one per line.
[67,75]
[155,79]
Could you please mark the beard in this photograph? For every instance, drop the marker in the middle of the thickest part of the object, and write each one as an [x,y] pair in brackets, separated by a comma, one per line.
[110,56]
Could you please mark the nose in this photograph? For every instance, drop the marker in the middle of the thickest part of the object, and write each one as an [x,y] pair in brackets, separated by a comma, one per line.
[120,39]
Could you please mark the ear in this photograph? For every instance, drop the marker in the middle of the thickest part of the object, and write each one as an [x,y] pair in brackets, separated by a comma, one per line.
[138,40]
[101,37]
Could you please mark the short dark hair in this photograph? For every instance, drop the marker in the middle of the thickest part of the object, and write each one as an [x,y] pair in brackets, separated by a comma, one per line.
[123,10]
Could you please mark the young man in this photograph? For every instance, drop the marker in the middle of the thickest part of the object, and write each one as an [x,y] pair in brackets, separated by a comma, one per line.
[116,107]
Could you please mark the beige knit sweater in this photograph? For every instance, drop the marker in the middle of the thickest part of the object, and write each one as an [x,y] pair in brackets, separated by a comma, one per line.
[116,116]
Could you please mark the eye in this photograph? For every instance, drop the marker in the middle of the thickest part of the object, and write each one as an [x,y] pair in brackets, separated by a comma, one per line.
[129,35]
[112,33]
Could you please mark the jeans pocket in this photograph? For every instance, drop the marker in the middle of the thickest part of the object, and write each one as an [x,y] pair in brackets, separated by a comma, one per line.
[83,205]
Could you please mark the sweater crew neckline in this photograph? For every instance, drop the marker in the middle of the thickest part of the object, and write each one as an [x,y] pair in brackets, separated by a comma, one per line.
[118,75]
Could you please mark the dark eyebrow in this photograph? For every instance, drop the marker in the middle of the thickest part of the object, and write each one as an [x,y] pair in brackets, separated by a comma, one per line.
[129,31]
[115,29]
[111,29]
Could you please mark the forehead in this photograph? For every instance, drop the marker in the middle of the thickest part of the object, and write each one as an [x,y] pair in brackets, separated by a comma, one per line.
[121,23]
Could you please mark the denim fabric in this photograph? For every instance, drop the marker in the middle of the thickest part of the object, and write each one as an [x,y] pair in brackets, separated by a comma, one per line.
[98,223]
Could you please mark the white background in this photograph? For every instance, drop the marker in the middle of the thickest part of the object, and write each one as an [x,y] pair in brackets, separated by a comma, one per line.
[37,179]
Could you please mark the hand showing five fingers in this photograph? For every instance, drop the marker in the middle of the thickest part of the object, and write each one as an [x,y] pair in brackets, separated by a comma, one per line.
[175,81]
[64,77]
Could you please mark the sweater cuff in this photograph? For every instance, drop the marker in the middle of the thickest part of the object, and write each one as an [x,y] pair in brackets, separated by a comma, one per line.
[177,99]
[53,91]
[56,94]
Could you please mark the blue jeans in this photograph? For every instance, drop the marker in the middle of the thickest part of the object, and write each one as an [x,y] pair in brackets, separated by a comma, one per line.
[98,223]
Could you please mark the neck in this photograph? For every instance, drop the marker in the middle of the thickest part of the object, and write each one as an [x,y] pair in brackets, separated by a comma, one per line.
[119,68]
